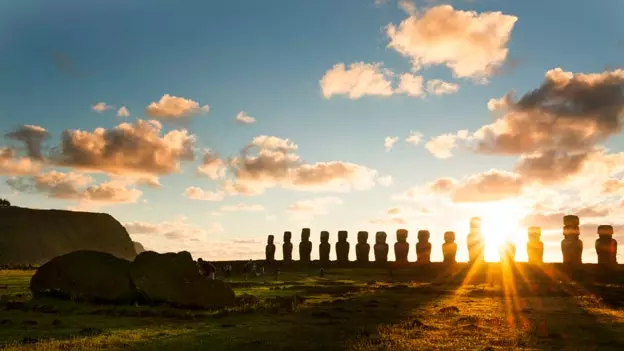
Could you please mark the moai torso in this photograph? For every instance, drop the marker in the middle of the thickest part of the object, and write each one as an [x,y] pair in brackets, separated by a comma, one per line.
[475,240]
[606,246]
[324,247]
[362,249]
[305,246]
[449,248]
[287,247]
[381,247]
[401,247]
[423,247]
[535,247]
[571,245]
[342,247]
[270,249]
[507,252]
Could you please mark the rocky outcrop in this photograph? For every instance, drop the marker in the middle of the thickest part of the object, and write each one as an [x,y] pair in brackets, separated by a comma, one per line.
[138,247]
[173,278]
[29,236]
[85,275]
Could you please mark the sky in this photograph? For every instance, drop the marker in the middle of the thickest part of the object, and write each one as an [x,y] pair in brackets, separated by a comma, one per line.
[207,125]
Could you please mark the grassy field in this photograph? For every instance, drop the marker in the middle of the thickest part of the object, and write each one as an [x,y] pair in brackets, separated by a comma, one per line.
[489,308]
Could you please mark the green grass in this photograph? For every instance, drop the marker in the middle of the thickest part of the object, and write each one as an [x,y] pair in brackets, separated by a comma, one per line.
[349,309]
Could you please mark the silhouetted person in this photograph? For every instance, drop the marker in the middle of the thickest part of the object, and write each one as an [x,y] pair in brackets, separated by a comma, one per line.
[206,269]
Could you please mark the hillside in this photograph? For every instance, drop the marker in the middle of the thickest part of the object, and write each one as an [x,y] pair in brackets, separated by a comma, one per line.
[29,236]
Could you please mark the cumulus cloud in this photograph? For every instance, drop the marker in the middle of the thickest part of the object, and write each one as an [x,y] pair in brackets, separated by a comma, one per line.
[32,136]
[440,87]
[385,181]
[11,165]
[178,229]
[493,185]
[195,193]
[101,107]
[269,162]
[212,166]
[242,208]
[442,185]
[129,148]
[442,145]
[414,138]
[244,118]
[123,112]
[357,80]
[612,186]
[471,44]
[411,84]
[75,186]
[389,142]
[173,107]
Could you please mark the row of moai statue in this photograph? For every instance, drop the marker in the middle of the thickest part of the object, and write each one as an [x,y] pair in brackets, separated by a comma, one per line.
[571,245]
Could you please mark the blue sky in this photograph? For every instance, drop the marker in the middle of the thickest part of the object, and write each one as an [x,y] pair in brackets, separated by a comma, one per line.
[268,59]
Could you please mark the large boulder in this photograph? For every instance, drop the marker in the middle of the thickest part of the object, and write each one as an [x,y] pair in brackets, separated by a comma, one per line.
[29,236]
[174,278]
[138,247]
[85,275]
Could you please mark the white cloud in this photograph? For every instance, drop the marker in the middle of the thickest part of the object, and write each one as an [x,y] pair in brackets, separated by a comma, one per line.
[414,138]
[123,112]
[242,208]
[385,181]
[195,193]
[442,145]
[411,85]
[358,80]
[101,107]
[389,142]
[440,87]
[244,118]
[173,107]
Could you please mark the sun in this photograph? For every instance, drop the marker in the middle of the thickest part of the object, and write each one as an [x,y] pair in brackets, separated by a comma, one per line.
[499,223]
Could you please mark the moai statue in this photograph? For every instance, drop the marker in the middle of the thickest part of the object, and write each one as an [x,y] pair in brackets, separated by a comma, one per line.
[305,246]
[324,247]
[381,247]
[475,240]
[571,245]
[535,247]
[270,249]
[606,246]
[507,251]
[342,247]
[423,247]
[287,247]
[449,248]
[401,247]
[362,248]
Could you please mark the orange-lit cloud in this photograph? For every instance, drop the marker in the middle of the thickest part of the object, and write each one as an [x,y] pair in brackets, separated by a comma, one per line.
[173,107]
[357,80]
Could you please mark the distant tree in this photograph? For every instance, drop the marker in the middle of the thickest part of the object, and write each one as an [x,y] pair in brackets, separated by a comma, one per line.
[4,203]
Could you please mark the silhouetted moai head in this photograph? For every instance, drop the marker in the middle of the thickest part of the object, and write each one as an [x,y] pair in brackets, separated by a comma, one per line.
[324,236]
[571,246]
[324,247]
[606,246]
[287,247]
[381,247]
[449,248]
[423,247]
[401,247]
[270,249]
[342,247]
[305,234]
[362,249]
[535,247]
[305,246]
[475,223]
[362,237]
